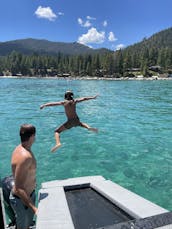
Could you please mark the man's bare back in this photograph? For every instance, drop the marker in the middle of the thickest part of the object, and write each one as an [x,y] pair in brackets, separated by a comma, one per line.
[70,109]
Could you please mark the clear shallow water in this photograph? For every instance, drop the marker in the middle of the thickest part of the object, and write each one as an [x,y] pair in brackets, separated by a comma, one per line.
[133,146]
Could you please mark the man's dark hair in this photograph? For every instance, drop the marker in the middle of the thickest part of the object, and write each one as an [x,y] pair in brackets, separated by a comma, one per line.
[68,95]
[26,131]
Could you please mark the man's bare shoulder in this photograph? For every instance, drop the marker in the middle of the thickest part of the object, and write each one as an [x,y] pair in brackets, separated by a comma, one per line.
[21,150]
[69,102]
[21,154]
[77,100]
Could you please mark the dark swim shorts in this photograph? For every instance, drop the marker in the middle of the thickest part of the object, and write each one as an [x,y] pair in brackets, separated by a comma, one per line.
[72,123]
[24,215]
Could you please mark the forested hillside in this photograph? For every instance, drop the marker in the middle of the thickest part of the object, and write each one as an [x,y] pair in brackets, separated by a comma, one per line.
[40,58]
[154,51]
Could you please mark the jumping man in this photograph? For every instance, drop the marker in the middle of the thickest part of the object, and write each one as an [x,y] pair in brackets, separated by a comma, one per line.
[72,118]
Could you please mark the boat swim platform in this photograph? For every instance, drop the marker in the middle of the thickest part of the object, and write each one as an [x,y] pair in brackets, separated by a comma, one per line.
[92,202]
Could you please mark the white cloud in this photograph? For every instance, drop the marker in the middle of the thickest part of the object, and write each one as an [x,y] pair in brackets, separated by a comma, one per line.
[80,22]
[87,24]
[60,13]
[92,36]
[84,24]
[91,18]
[120,46]
[45,12]
[112,37]
[105,23]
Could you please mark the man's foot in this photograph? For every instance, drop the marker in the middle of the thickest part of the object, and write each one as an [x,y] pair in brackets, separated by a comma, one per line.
[55,148]
[93,129]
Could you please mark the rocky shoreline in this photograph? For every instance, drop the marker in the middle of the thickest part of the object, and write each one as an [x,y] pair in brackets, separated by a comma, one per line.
[90,78]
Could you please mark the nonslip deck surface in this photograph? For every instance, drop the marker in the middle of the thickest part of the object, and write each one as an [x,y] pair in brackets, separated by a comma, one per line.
[89,209]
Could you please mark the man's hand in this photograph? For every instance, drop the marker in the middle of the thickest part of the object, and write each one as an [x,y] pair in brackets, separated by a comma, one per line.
[96,96]
[42,106]
[35,210]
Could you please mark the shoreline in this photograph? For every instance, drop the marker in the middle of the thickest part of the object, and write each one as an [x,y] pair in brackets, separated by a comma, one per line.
[88,78]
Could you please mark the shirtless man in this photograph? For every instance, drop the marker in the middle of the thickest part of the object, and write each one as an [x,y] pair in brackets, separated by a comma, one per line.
[70,109]
[23,163]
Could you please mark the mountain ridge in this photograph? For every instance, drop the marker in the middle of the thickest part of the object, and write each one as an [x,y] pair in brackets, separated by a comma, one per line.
[29,46]
[33,57]
[42,46]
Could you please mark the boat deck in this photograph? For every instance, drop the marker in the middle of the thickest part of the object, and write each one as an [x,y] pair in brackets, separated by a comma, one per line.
[62,203]
[55,213]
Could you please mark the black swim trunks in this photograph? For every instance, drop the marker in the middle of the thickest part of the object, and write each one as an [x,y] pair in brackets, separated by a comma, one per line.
[72,123]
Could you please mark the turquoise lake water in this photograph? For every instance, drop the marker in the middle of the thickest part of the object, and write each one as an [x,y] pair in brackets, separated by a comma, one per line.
[132,148]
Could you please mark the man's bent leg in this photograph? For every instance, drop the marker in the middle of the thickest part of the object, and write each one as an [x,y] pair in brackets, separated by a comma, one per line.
[57,137]
[58,144]
[88,127]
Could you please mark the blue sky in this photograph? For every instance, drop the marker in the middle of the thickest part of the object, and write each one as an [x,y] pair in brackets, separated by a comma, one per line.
[95,23]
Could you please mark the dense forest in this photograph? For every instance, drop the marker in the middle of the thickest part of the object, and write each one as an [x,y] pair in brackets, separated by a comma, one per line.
[154,53]
[149,57]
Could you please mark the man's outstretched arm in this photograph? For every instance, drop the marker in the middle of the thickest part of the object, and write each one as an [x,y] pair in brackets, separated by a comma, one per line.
[86,98]
[51,104]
